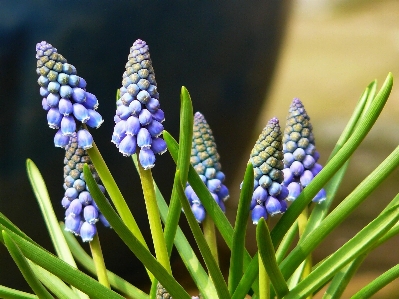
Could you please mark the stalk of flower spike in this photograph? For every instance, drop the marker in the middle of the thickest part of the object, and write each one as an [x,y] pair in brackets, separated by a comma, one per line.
[267,159]
[138,119]
[300,154]
[205,160]
[81,212]
[65,98]
[98,260]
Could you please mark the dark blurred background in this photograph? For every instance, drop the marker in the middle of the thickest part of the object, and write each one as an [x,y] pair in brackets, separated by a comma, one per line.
[224,53]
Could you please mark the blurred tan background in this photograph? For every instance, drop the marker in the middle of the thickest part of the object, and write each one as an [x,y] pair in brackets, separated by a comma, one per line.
[332,51]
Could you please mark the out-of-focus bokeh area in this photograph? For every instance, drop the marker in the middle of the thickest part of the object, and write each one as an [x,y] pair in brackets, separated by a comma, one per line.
[331,52]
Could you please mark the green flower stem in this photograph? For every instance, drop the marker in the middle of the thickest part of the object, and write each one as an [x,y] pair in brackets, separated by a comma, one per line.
[116,195]
[193,265]
[210,236]
[154,218]
[86,261]
[8,293]
[360,132]
[98,259]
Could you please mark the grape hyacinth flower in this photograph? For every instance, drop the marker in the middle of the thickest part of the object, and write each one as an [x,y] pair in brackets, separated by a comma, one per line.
[138,119]
[300,154]
[65,98]
[205,161]
[267,160]
[81,211]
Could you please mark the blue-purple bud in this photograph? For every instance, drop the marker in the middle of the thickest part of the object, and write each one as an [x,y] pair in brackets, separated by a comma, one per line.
[300,154]
[139,107]
[267,160]
[64,92]
[205,160]
[81,211]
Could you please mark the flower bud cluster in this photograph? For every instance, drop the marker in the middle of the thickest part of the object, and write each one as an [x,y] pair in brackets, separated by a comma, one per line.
[65,98]
[205,160]
[138,119]
[162,293]
[81,211]
[300,154]
[267,160]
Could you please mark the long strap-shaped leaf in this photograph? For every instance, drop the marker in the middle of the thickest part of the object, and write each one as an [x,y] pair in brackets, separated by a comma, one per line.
[212,208]
[335,163]
[131,241]
[353,248]
[347,206]
[8,293]
[240,227]
[197,272]
[210,262]
[378,283]
[43,198]
[25,269]
[268,257]
[61,269]
[117,282]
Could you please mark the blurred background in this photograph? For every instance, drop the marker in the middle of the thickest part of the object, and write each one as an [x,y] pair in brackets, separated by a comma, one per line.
[242,62]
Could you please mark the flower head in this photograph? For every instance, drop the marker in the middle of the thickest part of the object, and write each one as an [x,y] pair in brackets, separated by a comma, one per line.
[267,160]
[205,161]
[65,97]
[300,154]
[162,293]
[81,212]
[138,116]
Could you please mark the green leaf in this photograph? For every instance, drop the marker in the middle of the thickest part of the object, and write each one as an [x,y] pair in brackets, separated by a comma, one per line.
[115,194]
[131,241]
[268,257]
[8,293]
[117,282]
[361,130]
[378,283]
[43,198]
[61,269]
[348,205]
[210,262]
[350,250]
[320,211]
[53,283]
[342,278]
[212,208]
[197,272]
[240,227]
[24,267]
[186,134]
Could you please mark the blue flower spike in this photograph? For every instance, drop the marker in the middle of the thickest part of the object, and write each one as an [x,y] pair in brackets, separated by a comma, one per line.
[300,154]
[205,160]
[138,118]
[269,195]
[81,213]
[65,97]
